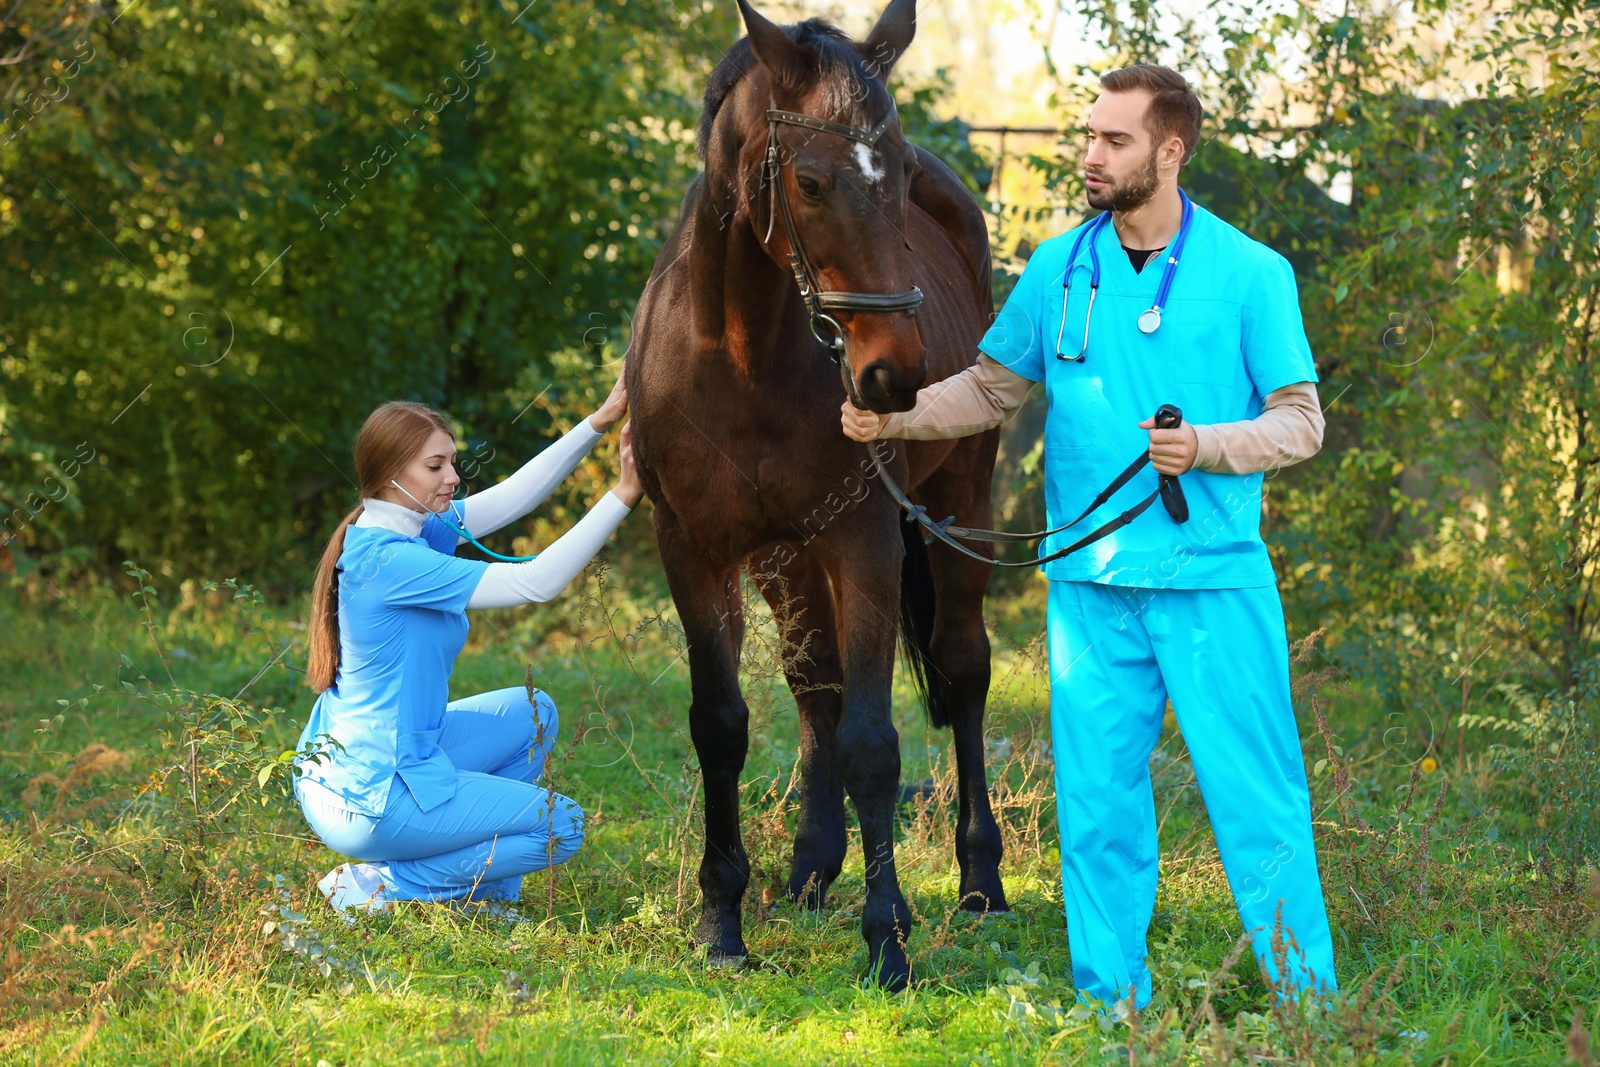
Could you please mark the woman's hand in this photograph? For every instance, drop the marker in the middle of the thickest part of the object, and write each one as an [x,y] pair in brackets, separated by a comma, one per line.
[628,488]
[614,408]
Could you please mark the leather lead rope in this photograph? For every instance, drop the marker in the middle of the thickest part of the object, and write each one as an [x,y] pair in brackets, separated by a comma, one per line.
[1168,489]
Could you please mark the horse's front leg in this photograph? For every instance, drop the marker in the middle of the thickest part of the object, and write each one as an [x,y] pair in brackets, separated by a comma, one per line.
[711,608]
[796,586]
[864,563]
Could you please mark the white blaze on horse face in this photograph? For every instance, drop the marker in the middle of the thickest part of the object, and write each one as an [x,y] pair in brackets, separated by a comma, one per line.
[868,163]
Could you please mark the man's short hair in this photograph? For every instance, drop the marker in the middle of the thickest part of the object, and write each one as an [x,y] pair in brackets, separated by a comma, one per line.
[1174,108]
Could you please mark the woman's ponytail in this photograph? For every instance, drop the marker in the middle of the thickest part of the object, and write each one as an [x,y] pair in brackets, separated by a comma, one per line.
[323,633]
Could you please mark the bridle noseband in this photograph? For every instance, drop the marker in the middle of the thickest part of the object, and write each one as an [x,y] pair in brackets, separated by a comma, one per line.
[818,302]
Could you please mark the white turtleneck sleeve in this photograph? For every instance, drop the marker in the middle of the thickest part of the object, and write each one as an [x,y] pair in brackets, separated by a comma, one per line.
[485,512]
[505,585]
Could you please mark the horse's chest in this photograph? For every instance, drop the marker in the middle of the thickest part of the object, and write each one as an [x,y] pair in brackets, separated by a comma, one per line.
[713,473]
[749,486]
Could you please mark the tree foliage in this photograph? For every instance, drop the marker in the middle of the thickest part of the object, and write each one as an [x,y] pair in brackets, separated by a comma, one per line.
[228,232]
[244,225]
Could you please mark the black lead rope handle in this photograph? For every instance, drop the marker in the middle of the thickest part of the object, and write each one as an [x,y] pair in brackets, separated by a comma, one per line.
[1170,490]
[1169,417]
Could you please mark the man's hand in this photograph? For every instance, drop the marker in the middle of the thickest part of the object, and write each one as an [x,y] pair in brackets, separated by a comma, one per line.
[1171,451]
[861,425]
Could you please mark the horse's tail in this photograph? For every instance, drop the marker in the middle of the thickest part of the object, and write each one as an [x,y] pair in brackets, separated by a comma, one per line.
[916,621]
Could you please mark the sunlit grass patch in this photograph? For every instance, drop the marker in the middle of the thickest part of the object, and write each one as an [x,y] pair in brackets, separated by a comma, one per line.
[219,948]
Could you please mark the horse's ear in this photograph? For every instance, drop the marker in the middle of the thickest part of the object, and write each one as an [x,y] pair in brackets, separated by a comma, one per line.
[890,37]
[787,63]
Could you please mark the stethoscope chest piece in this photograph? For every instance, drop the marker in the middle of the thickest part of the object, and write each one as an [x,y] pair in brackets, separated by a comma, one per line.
[1149,320]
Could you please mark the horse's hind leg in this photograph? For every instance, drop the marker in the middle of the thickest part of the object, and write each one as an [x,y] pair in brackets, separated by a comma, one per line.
[796,587]
[711,609]
[960,654]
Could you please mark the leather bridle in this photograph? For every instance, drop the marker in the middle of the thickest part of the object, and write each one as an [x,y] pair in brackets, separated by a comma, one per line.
[820,302]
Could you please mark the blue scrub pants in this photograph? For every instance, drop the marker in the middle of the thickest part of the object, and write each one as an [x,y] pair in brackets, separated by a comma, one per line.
[498,827]
[1117,653]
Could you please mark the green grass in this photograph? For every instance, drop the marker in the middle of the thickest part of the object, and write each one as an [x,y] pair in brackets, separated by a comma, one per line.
[1485,950]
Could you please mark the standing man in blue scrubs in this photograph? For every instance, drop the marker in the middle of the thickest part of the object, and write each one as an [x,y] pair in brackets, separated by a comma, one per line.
[1158,610]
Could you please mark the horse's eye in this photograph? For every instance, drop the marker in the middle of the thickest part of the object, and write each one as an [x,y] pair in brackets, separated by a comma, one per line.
[809,187]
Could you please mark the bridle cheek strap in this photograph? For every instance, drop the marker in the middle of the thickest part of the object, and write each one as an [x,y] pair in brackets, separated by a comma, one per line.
[818,301]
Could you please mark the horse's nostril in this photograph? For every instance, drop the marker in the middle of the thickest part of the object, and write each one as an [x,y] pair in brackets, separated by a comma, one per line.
[879,377]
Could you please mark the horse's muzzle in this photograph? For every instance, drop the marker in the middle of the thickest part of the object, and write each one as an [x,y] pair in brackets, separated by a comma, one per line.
[887,387]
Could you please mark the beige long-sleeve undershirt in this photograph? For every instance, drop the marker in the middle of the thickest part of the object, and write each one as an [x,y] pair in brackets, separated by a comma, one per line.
[1288,430]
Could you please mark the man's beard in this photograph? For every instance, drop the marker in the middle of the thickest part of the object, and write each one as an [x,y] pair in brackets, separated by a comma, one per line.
[1131,193]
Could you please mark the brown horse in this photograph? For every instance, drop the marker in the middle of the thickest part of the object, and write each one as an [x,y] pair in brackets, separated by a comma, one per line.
[736,429]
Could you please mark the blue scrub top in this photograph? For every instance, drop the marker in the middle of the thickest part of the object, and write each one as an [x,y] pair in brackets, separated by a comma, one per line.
[1230,334]
[402,622]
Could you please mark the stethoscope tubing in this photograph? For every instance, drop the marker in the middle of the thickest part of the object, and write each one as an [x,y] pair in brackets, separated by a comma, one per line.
[1091,233]
[479,545]
[461,531]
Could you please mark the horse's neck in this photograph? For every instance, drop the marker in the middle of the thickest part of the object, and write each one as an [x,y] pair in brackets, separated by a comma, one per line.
[744,303]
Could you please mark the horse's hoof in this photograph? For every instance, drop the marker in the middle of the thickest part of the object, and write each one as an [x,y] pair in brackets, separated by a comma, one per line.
[986,904]
[721,955]
[892,972]
[810,892]
[893,979]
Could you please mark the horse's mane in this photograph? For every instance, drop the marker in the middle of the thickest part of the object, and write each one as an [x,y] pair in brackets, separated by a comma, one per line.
[845,81]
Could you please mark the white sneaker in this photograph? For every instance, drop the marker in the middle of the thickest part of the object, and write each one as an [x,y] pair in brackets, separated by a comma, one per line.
[503,910]
[356,887]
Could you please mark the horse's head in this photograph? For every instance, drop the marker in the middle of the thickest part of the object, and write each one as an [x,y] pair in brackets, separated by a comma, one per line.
[845,193]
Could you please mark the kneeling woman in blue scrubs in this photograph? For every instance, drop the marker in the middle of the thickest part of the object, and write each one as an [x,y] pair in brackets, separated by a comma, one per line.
[438,798]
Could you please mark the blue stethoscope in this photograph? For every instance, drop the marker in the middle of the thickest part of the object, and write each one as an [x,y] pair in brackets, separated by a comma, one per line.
[461,530]
[1150,317]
